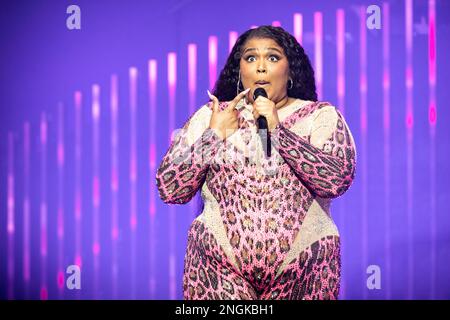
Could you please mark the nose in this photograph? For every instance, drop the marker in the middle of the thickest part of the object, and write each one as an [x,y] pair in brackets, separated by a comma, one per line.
[261,68]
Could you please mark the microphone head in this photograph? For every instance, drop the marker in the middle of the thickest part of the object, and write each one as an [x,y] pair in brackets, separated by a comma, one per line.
[259,92]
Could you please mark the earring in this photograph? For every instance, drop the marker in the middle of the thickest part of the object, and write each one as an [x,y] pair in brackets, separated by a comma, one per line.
[292,84]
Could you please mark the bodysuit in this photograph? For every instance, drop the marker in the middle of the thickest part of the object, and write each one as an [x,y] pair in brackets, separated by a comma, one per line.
[266,230]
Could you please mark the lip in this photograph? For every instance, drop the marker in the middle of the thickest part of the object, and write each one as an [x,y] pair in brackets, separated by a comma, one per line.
[262,83]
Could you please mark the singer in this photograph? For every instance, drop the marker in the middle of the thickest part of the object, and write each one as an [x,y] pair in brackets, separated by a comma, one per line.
[266,230]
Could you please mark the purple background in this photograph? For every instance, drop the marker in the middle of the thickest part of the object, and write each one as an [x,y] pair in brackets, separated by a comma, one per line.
[43,64]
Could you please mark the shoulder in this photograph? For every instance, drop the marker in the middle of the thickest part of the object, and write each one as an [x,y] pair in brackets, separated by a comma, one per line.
[324,113]
[202,114]
[325,120]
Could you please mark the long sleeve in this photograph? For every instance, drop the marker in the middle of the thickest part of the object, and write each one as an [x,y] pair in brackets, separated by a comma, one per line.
[326,163]
[183,168]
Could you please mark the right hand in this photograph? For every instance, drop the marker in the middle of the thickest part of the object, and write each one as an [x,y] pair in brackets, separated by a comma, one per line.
[225,122]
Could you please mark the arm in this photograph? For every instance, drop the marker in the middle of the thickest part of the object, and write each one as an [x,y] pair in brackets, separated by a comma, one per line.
[183,168]
[326,163]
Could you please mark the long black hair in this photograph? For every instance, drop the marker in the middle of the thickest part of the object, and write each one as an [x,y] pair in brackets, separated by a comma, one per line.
[301,71]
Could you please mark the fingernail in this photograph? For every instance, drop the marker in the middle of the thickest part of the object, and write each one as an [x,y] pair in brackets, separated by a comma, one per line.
[209,93]
[246,90]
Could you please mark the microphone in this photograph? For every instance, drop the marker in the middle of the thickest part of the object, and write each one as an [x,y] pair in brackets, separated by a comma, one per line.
[262,123]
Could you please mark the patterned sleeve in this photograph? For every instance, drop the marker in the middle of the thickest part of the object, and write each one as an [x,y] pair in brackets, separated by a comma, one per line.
[326,163]
[183,168]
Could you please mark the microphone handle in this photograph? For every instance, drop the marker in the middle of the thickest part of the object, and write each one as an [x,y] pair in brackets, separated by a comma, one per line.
[262,125]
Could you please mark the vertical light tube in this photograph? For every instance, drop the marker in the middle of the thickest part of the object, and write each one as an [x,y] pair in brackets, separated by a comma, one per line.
[298,27]
[340,47]
[340,62]
[432,119]
[96,185]
[318,53]
[78,197]
[172,79]
[232,38]
[10,219]
[192,88]
[192,76]
[212,60]
[114,104]
[26,209]
[133,175]
[60,213]
[387,147]
[409,142]
[152,82]
[363,147]
[43,208]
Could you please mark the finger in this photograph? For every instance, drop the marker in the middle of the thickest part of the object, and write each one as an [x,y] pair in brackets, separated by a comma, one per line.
[236,99]
[214,100]
[261,98]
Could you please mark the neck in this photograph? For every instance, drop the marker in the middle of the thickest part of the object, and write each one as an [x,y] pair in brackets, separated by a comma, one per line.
[283,102]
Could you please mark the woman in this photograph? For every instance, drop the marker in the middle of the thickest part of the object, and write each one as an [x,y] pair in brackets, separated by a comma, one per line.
[265,231]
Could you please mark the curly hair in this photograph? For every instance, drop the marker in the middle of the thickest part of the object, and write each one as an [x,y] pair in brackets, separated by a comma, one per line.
[300,69]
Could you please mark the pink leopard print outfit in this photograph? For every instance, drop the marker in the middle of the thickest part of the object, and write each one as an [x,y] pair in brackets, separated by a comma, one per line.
[265,231]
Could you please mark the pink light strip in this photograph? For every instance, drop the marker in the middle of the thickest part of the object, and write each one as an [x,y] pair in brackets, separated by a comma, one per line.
[152,83]
[298,27]
[276,23]
[133,73]
[172,222]
[340,48]
[43,209]
[114,104]
[96,185]
[10,221]
[432,121]
[192,83]
[212,59]
[26,208]
[172,79]
[387,146]
[232,38]
[409,143]
[340,62]
[78,196]
[318,52]
[60,214]
[192,76]
[363,146]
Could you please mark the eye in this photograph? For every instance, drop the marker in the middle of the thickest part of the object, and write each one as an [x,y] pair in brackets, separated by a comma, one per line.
[249,58]
[274,58]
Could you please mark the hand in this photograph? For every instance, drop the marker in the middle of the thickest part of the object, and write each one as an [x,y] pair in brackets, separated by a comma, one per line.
[265,107]
[225,122]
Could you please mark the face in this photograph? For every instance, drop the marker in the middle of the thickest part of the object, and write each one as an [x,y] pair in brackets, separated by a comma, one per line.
[264,64]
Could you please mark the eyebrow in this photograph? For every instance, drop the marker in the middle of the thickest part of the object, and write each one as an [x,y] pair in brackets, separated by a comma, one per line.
[254,49]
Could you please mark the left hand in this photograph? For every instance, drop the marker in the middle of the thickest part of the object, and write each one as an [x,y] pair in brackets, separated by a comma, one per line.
[265,107]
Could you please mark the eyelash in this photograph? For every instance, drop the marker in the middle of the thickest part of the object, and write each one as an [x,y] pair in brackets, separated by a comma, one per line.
[272,55]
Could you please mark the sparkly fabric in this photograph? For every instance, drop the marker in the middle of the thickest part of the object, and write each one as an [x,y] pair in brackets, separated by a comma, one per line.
[266,231]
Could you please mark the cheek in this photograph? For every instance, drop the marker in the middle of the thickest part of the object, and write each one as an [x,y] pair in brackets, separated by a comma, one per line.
[246,72]
[280,72]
